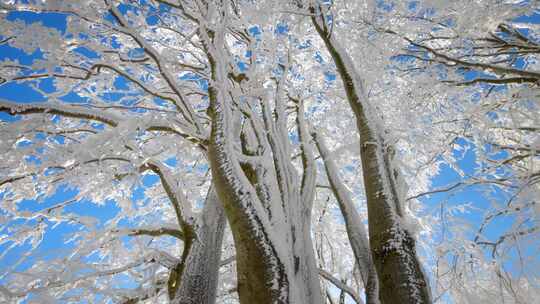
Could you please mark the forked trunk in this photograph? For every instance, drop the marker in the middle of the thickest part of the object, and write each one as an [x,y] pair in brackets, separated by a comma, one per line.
[274,253]
[268,215]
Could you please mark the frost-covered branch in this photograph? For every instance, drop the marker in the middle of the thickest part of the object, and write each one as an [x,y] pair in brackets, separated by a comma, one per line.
[57,283]
[162,231]
[307,188]
[511,235]
[184,106]
[44,9]
[60,109]
[499,69]
[88,112]
[64,168]
[181,205]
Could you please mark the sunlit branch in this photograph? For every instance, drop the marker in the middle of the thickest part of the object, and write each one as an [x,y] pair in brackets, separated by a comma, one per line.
[150,258]
[517,80]
[180,203]
[28,8]
[504,182]
[180,6]
[147,293]
[452,61]
[501,239]
[503,212]
[308,160]
[86,112]
[12,179]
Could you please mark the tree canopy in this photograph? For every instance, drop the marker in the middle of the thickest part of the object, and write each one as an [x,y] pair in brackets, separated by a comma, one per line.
[235,151]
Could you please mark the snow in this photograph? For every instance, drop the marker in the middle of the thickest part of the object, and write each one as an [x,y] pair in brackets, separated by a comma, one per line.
[131,105]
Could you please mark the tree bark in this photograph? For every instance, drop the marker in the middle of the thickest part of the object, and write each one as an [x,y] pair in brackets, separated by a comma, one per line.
[401,278]
[199,278]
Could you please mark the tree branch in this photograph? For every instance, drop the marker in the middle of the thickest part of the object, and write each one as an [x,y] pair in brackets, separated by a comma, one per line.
[152,232]
[329,277]
[184,107]
[180,203]
[60,109]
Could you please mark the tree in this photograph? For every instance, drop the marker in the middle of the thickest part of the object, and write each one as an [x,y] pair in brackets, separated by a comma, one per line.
[392,245]
[488,72]
[175,116]
[268,206]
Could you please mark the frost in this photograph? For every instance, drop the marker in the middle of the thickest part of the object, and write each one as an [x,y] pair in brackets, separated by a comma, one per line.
[447,92]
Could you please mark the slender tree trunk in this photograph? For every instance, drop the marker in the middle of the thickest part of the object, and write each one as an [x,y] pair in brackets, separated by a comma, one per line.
[199,278]
[355,228]
[401,278]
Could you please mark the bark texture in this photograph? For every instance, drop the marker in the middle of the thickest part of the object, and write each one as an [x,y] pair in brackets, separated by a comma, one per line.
[199,279]
[401,278]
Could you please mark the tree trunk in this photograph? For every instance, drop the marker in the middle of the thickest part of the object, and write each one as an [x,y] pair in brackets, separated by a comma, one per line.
[199,279]
[275,259]
[355,228]
[401,278]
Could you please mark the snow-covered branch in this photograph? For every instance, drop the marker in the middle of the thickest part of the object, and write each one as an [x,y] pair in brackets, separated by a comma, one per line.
[356,232]
[309,176]
[181,205]
[161,231]
[185,108]
[55,107]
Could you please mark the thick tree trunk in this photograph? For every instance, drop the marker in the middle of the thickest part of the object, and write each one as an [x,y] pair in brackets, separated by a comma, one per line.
[401,279]
[355,228]
[275,259]
[199,279]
